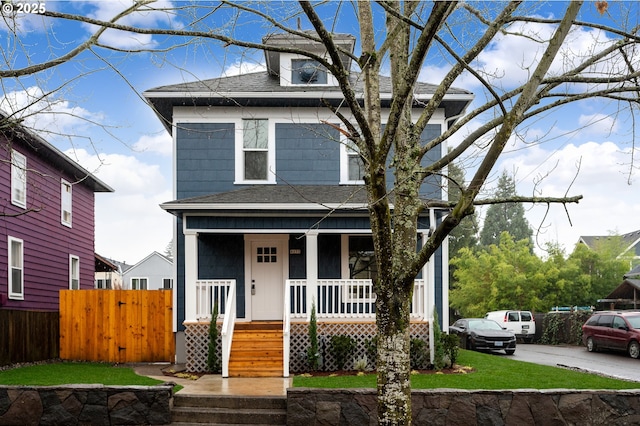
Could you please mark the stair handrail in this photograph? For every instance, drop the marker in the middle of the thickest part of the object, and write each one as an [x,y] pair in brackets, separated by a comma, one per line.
[286,329]
[228,324]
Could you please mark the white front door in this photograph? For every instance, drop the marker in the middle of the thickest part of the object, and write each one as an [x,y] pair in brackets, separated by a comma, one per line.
[267,283]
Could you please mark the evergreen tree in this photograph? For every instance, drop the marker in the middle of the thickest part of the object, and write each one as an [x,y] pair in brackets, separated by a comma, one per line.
[505,217]
[465,234]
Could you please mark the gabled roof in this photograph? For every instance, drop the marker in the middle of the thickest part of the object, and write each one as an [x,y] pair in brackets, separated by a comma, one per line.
[153,254]
[262,89]
[51,154]
[628,291]
[629,240]
[104,265]
[278,197]
[634,273]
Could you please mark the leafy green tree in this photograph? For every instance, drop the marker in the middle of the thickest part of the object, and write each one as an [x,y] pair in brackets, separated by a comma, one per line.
[601,269]
[507,217]
[503,276]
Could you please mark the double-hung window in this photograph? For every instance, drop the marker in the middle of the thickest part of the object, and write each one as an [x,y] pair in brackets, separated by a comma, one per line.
[18,179]
[65,203]
[352,167]
[255,150]
[74,272]
[139,284]
[16,268]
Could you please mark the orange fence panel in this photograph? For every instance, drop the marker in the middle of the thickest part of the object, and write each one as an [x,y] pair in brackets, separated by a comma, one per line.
[117,325]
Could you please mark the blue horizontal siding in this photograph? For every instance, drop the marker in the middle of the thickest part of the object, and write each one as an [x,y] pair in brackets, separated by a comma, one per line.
[307,154]
[204,158]
[301,223]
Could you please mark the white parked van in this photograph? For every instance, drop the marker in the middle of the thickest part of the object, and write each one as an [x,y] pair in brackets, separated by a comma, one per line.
[521,323]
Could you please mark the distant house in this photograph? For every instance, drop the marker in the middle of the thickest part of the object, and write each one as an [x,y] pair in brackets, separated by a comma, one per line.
[631,242]
[154,272]
[271,213]
[109,273]
[46,221]
[626,295]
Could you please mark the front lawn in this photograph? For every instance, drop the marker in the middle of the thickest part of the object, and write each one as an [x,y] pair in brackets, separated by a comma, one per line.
[65,373]
[489,372]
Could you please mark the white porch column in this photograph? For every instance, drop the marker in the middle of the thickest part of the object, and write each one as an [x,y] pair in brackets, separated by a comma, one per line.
[312,270]
[190,275]
[445,283]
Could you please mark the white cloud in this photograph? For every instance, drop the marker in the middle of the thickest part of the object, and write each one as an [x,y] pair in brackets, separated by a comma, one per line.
[129,222]
[159,143]
[510,59]
[146,17]
[243,67]
[48,115]
[601,124]
[603,180]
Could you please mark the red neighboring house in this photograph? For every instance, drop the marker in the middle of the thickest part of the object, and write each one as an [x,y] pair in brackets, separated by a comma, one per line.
[46,221]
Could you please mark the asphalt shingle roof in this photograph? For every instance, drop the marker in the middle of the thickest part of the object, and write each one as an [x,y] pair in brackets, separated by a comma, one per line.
[313,195]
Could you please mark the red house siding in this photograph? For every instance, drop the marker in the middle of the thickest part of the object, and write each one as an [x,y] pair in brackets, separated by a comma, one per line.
[48,243]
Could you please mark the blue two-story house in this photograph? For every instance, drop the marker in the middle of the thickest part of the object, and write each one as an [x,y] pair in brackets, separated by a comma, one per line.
[271,214]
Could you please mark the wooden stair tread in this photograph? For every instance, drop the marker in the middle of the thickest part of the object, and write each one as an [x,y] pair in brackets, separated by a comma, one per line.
[257,350]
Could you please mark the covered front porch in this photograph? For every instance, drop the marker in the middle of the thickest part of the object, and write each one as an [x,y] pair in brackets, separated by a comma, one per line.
[271,268]
[343,307]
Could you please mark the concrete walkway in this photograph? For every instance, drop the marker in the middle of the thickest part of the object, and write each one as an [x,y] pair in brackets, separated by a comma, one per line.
[215,384]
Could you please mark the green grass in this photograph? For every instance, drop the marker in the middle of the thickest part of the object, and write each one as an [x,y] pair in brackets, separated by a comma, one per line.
[74,373]
[490,372]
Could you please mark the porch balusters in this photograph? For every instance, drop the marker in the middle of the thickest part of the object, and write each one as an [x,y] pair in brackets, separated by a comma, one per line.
[209,292]
[344,299]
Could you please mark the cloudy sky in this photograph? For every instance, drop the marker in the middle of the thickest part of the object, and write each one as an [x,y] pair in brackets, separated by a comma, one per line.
[96,114]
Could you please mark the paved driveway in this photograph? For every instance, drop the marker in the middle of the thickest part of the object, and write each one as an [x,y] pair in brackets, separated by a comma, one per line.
[612,364]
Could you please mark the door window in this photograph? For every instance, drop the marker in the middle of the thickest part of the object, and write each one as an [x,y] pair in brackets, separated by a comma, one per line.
[266,254]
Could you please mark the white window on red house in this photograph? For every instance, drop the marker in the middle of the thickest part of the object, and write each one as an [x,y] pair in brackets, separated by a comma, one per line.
[16,268]
[18,179]
[74,272]
[65,203]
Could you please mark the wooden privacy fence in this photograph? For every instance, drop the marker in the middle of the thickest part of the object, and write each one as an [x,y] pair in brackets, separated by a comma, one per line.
[117,325]
[28,336]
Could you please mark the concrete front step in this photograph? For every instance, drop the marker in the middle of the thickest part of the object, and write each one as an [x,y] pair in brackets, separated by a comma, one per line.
[228,410]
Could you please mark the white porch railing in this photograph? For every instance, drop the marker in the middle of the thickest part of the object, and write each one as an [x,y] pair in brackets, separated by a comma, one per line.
[286,335]
[210,292]
[227,328]
[223,293]
[342,299]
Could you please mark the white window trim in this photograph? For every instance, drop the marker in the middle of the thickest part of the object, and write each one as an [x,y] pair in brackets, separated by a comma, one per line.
[74,272]
[12,295]
[170,283]
[286,68]
[239,153]
[344,164]
[139,279]
[18,177]
[66,203]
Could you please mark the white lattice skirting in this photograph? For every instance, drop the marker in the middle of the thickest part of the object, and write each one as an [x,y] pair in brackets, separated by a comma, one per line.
[197,343]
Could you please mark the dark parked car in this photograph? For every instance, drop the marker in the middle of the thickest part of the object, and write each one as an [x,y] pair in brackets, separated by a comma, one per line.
[618,331]
[483,335]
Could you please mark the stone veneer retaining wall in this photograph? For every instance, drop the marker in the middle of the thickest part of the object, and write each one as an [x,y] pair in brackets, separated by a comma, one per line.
[356,407]
[85,405]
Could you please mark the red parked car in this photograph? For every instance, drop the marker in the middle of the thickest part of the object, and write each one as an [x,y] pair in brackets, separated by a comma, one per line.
[613,330]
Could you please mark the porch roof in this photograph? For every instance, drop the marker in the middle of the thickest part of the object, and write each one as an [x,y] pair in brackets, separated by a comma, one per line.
[277,197]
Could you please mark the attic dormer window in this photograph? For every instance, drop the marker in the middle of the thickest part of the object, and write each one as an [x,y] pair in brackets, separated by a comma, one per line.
[307,71]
